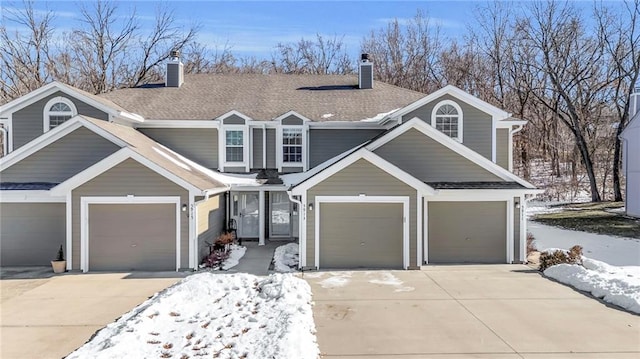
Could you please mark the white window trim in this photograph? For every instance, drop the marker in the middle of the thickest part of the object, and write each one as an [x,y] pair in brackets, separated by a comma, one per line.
[222,142]
[84,220]
[45,121]
[366,199]
[460,117]
[8,143]
[280,147]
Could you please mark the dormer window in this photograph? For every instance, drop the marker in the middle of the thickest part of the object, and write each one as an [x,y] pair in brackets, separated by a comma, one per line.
[235,145]
[233,142]
[447,118]
[292,146]
[57,111]
[291,135]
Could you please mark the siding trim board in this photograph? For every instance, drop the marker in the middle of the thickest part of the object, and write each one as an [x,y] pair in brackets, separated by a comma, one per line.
[84,220]
[365,199]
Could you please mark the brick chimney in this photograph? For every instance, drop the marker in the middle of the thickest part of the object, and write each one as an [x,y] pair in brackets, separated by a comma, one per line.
[365,72]
[175,71]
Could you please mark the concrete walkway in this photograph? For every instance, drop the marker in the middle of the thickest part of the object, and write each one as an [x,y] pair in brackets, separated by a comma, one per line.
[257,259]
[50,317]
[490,311]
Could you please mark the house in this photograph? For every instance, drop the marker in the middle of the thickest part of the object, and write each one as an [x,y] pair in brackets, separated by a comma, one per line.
[362,174]
[631,156]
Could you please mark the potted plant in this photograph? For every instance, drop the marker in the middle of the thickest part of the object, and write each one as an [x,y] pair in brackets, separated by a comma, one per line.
[59,265]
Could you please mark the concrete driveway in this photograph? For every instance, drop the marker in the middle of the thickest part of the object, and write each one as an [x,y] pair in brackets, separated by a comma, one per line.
[489,311]
[50,317]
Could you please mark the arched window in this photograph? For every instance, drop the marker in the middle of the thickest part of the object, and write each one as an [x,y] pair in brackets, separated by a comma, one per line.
[57,111]
[447,118]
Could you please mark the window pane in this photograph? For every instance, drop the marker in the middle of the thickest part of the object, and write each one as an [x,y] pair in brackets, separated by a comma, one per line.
[57,120]
[60,107]
[234,138]
[235,154]
[292,145]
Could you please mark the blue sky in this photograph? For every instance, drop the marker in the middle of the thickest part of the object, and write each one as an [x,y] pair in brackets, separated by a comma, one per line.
[254,28]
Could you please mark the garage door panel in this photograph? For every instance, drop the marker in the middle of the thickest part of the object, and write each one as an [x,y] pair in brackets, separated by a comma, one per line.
[361,235]
[31,233]
[132,237]
[473,232]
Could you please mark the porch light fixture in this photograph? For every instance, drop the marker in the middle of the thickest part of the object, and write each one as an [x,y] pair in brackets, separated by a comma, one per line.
[310,206]
[184,207]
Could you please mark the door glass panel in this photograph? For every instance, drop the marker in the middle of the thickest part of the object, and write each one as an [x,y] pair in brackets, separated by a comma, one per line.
[279,213]
[249,206]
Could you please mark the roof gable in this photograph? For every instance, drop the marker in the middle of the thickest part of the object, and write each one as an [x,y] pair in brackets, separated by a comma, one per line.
[370,157]
[427,130]
[634,123]
[459,94]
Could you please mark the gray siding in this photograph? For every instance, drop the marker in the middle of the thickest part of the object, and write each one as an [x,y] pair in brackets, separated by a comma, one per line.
[197,144]
[175,74]
[129,178]
[28,122]
[62,159]
[31,233]
[234,120]
[477,125]
[326,144]
[211,222]
[502,148]
[362,177]
[361,235]
[130,245]
[271,148]
[473,232]
[291,169]
[366,76]
[256,147]
[292,120]
[235,169]
[429,161]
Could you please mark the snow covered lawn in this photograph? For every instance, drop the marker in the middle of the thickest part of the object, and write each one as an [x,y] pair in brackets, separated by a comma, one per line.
[215,315]
[615,285]
[286,258]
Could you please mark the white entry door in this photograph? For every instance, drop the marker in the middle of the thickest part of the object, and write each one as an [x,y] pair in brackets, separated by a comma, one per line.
[280,214]
[249,214]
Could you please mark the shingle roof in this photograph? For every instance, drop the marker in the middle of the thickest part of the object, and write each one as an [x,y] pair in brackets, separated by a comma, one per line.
[263,97]
[158,154]
[26,186]
[475,185]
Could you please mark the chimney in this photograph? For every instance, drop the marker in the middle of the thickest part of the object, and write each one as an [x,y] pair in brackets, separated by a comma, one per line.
[365,72]
[634,102]
[175,71]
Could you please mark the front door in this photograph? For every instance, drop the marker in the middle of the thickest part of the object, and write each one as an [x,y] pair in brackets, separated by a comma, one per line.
[248,212]
[280,214]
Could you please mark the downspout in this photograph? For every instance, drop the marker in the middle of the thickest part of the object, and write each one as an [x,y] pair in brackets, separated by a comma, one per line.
[264,146]
[517,129]
[301,210]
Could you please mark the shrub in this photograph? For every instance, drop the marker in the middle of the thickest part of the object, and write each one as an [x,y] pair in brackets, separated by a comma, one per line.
[60,255]
[531,247]
[216,258]
[548,259]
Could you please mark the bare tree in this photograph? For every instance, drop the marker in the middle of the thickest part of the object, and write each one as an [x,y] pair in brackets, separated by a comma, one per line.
[320,57]
[25,55]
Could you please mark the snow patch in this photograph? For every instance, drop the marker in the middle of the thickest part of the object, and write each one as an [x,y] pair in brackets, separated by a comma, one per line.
[210,315]
[379,117]
[175,161]
[286,258]
[236,252]
[387,278]
[615,285]
[327,115]
[336,280]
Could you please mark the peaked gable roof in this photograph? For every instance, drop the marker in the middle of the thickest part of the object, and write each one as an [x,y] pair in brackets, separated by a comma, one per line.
[635,122]
[263,97]
[464,151]
[494,111]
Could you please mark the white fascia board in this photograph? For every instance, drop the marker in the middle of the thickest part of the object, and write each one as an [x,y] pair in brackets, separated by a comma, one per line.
[510,123]
[179,124]
[49,89]
[450,143]
[30,196]
[231,113]
[457,93]
[259,124]
[110,162]
[345,125]
[291,113]
[481,194]
[374,159]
